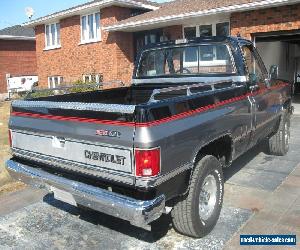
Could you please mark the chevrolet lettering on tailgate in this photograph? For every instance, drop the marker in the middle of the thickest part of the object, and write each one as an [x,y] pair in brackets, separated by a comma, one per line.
[97,156]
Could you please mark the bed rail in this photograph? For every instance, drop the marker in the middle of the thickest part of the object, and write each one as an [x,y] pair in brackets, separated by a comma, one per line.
[191,86]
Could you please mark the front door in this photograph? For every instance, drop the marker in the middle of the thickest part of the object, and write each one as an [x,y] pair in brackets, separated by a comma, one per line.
[264,100]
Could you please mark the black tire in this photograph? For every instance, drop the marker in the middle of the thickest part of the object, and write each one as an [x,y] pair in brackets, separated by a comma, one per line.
[278,144]
[185,214]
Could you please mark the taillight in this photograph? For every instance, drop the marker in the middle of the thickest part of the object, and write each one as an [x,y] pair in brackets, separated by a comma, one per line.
[9,138]
[147,162]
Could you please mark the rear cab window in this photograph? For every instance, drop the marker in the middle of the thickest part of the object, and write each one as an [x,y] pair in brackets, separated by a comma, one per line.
[213,58]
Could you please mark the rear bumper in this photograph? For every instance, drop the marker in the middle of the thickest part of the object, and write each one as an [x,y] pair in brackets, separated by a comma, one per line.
[139,213]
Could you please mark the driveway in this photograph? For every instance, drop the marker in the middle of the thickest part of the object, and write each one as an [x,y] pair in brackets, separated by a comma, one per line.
[32,219]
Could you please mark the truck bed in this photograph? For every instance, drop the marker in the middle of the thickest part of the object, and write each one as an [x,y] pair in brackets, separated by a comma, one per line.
[65,127]
[132,95]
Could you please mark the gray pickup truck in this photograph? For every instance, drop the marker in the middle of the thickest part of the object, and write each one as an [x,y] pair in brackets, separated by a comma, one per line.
[158,146]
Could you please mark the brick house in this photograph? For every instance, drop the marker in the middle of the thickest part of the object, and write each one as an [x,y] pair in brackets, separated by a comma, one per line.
[17,54]
[99,39]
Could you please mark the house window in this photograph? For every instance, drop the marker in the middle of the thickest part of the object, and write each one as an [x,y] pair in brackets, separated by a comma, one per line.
[54,81]
[90,28]
[52,33]
[222,29]
[92,78]
[214,29]
[205,30]
[208,53]
[190,32]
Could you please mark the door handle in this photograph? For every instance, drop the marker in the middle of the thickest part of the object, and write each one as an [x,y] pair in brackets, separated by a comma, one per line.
[253,87]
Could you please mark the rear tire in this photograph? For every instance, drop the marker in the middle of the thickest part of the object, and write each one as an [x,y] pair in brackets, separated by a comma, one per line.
[278,144]
[198,212]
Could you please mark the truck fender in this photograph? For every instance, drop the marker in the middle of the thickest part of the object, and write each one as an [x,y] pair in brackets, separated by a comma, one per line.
[197,153]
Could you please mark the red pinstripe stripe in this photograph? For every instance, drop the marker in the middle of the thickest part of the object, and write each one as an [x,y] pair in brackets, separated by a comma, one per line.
[192,112]
[73,119]
[146,124]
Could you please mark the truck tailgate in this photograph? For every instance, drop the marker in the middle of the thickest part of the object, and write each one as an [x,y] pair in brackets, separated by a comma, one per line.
[86,143]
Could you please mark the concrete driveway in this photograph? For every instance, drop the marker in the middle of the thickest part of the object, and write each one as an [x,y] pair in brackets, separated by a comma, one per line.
[31,219]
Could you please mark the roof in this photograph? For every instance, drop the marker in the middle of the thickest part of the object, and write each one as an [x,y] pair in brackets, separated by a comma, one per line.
[90,5]
[17,32]
[184,9]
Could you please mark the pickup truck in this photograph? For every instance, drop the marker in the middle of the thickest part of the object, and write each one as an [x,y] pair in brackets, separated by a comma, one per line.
[159,145]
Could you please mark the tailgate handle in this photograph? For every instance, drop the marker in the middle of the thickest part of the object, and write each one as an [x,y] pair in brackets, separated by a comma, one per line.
[58,142]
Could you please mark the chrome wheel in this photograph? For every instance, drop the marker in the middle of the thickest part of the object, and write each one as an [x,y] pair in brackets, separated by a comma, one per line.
[208,197]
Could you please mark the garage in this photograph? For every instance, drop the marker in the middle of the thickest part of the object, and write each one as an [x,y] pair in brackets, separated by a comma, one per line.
[282,49]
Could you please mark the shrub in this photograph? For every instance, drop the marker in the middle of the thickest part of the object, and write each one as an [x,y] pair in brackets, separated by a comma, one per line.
[76,87]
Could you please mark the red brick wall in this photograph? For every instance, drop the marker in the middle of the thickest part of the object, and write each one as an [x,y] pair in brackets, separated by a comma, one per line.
[112,57]
[173,32]
[16,58]
[265,20]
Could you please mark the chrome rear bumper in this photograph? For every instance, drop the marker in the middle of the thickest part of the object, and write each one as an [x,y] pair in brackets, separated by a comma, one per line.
[137,212]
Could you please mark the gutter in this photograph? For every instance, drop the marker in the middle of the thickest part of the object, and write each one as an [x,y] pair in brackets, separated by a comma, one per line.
[183,16]
[7,37]
[85,7]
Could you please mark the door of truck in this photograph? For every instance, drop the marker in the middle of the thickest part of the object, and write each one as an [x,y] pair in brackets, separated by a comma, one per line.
[265,101]
[297,76]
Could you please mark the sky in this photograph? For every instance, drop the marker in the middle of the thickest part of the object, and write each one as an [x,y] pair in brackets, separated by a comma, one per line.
[12,12]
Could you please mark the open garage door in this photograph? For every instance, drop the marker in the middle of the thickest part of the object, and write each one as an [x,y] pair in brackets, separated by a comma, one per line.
[282,49]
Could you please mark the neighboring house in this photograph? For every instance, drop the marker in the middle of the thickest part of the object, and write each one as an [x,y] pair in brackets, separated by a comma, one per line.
[72,45]
[17,54]
[99,40]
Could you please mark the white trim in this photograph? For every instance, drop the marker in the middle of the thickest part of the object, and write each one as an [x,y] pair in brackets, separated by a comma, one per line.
[87,39]
[52,48]
[97,77]
[53,82]
[87,7]
[89,42]
[8,37]
[178,17]
[200,23]
[56,44]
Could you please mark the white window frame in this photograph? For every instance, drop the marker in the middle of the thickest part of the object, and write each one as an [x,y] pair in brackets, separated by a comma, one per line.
[56,44]
[214,32]
[97,76]
[214,27]
[59,81]
[97,32]
[191,64]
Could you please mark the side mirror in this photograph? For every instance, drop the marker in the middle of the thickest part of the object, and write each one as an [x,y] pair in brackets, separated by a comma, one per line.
[273,73]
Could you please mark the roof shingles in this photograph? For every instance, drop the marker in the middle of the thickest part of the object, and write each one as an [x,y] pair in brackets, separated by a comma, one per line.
[18,31]
[99,1]
[180,7]
[137,3]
